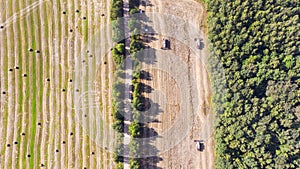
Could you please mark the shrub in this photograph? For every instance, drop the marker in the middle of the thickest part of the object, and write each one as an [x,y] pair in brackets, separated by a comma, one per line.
[135,129]
[134,164]
[118,125]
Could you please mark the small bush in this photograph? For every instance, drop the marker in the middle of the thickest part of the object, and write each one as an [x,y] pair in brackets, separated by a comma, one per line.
[118,125]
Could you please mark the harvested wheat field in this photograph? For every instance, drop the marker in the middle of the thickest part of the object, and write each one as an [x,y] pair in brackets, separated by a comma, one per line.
[42,43]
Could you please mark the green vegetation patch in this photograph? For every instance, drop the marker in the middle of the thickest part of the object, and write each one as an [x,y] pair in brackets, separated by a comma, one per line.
[258,45]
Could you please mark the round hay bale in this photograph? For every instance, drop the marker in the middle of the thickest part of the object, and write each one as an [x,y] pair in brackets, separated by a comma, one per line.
[57,150]
[64,142]
[24,75]
[4,92]
[15,142]
[83,61]
[70,80]
[71,30]
[1,27]
[23,134]
[8,145]
[28,155]
[48,80]
[71,134]
[77,11]
[84,18]
[105,62]
[103,14]
[39,124]
[30,50]
[42,165]
[10,70]
[64,12]
[77,90]
[63,90]
[91,56]
[17,67]
[37,51]
[93,153]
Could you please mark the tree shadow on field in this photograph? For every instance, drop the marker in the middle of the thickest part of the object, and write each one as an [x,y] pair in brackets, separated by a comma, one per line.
[146,3]
[148,56]
[145,75]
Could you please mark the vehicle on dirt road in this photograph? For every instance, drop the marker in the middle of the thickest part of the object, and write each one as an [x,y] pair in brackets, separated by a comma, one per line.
[199,43]
[165,44]
[199,145]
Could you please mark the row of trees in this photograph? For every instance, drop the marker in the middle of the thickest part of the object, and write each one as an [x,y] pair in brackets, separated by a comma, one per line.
[118,54]
[257,97]
[135,128]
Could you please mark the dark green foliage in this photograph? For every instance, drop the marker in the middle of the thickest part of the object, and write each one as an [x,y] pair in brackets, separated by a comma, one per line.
[116,10]
[133,4]
[135,45]
[118,30]
[258,45]
[119,165]
[134,164]
[118,125]
[118,53]
[134,10]
[135,129]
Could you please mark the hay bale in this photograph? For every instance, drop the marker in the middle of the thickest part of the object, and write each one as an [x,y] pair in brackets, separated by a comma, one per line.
[64,142]
[57,150]
[63,90]
[93,153]
[83,61]
[48,80]
[70,80]
[24,75]
[42,165]
[37,51]
[77,11]
[4,92]
[23,134]
[10,70]
[28,155]
[8,145]
[39,124]
[30,50]
[103,14]
[64,12]
[1,27]
[15,142]
[77,90]
[17,67]
[71,30]
[91,56]
[71,134]
[84,18]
